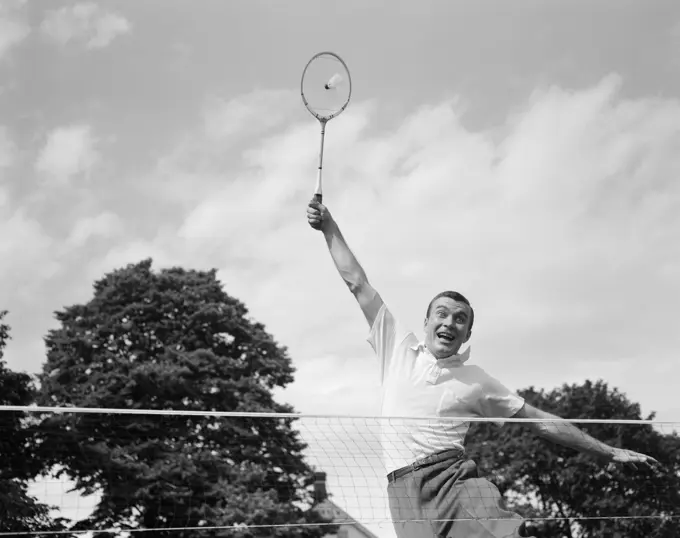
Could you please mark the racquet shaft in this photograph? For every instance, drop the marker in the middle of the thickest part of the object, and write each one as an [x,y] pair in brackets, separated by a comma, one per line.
[318,193]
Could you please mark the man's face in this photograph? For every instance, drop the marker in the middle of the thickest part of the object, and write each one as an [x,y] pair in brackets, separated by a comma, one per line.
[447,327]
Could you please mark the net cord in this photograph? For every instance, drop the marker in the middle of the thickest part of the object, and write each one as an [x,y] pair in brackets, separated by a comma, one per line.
[332,524]
[238,414]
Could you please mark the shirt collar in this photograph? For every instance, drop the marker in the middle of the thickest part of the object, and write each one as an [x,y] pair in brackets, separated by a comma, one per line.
[448,362]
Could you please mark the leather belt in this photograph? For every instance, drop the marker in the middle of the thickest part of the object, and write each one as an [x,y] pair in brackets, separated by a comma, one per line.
[423,462]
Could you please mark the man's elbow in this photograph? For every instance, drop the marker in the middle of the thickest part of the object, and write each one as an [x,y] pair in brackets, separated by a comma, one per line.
[354,286]
[357,283]
[540,422]
[542,428]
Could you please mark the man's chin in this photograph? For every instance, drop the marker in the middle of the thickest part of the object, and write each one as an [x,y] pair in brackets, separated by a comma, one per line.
[444,351]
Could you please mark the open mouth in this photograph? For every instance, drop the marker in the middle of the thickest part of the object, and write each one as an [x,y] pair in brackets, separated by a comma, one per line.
[446,337]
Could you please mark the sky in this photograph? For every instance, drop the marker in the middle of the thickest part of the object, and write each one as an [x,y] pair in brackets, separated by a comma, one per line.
[526,154]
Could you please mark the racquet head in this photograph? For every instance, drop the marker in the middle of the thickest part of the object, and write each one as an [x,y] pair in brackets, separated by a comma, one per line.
[326,86]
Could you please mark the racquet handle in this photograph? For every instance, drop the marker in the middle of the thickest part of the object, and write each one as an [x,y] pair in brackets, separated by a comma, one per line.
[318,198]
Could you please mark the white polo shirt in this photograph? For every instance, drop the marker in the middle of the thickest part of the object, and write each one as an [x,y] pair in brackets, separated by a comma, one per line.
[416,384]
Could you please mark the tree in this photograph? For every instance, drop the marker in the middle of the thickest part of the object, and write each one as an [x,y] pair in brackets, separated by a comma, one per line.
[19,511]
[175,340]
[567,484]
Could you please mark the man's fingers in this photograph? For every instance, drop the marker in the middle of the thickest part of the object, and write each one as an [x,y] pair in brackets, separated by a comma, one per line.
[314,220]
[315,214]
[653,463]
[633,459]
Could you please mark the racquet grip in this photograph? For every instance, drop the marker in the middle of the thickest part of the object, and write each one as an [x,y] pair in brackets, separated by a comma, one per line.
[318,198]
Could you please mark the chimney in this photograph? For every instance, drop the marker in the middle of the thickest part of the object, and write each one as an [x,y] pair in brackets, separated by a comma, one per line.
[320,493]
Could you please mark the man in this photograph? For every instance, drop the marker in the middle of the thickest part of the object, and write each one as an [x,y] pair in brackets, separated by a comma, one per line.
[433,490]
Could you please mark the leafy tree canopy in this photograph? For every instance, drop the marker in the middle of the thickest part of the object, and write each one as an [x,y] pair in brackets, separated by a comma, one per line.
[174,339]
[19,511]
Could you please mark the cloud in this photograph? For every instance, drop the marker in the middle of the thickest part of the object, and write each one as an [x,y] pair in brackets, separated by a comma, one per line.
[23,243]
[40,237]
[105,225]
[7,148]
[248,114]
[222,147]
[23,248]
[7,157]
[13,30]
[84,23]
[68,151]
[558,224]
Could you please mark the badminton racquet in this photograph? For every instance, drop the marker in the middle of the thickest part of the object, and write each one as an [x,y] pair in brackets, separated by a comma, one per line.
[326,88]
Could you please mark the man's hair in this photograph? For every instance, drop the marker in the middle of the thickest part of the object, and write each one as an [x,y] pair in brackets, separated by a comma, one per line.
[456,297]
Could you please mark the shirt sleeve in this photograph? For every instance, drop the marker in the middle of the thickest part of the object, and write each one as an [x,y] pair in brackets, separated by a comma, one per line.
[384,336]
[497,401]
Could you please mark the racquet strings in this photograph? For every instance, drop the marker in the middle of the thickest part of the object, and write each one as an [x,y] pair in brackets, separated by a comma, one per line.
[326,86]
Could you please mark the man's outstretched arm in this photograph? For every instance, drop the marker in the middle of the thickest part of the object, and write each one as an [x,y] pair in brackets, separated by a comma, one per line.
[566,434]
[346,263]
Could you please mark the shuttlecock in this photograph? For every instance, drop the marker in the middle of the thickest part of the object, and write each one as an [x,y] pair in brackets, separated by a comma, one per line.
[333,82]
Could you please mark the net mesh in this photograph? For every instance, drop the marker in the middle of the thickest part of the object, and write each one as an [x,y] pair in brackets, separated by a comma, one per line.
[134,458]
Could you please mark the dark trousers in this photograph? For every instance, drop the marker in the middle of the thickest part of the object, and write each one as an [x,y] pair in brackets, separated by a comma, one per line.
[442,496]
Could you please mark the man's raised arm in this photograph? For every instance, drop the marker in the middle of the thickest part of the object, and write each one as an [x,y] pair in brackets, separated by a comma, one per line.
[347,265]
